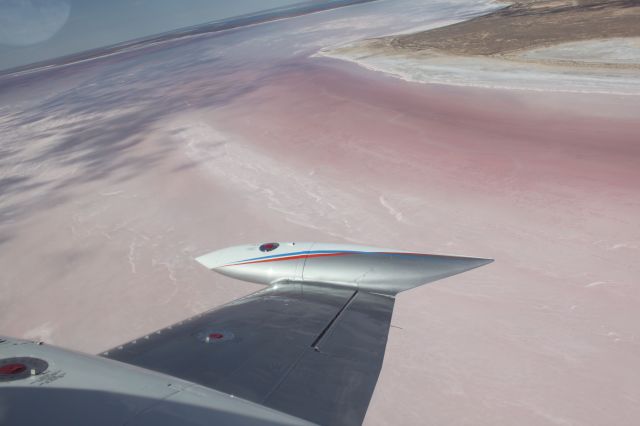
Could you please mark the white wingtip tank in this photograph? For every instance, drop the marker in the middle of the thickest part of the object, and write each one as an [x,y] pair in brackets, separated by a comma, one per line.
[364,268]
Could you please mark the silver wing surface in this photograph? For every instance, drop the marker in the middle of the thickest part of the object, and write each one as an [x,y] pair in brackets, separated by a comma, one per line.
[310,350]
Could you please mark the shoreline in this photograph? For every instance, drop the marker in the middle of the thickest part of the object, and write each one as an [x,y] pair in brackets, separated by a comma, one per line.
[493,73]
[479,53]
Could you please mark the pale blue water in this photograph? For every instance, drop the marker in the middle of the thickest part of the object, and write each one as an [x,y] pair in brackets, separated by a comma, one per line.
[42,30]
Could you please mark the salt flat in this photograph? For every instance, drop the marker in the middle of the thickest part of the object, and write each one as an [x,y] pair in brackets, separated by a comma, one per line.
[612,51]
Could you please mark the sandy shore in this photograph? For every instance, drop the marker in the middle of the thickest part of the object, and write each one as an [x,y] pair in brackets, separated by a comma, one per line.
[527,24]
[584,46]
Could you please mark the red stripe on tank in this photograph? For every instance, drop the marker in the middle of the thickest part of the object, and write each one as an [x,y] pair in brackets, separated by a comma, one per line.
[302,256]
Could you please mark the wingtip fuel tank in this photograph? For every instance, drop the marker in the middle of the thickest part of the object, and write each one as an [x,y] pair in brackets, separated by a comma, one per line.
[372,269]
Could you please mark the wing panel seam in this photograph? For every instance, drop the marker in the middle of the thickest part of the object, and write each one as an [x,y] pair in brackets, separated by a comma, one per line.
[316,343]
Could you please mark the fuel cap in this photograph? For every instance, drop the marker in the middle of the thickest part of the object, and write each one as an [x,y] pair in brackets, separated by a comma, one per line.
[266,247]
[214,336]
[18,368]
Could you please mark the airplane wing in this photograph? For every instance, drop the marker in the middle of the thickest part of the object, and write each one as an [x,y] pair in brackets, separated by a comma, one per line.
[311,344]
[306,350]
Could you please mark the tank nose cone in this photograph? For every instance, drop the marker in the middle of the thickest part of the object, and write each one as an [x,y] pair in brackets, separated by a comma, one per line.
[224,257]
